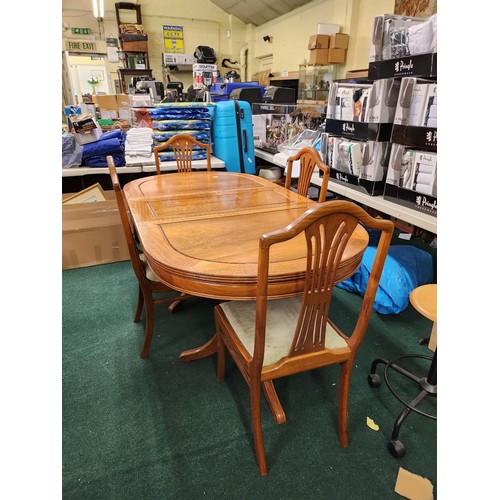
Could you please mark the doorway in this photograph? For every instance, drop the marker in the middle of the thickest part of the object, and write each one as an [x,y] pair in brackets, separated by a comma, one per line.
[87,74]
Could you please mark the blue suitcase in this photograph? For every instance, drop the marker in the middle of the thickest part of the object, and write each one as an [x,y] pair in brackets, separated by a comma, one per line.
[232,136]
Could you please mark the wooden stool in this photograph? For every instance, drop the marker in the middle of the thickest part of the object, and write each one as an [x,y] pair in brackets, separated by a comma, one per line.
[424,300]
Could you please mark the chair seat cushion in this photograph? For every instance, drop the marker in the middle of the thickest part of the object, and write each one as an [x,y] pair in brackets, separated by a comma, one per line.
[150,274]
[281,322]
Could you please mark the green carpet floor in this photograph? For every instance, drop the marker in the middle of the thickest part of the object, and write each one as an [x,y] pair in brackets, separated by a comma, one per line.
[160,429]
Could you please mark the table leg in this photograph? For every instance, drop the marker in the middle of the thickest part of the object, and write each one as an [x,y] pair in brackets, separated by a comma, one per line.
[203,351]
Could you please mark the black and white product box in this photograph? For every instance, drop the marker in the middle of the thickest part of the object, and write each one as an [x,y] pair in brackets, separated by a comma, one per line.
[344,103]
[383,99]
[423,179]
[412,100]
[348,156]
[395,36]
[412,179]
[348,102]
[400,168]
[375,161]
[429,118]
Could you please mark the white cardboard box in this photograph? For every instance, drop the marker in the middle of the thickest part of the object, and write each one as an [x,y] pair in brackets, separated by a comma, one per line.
[327,29]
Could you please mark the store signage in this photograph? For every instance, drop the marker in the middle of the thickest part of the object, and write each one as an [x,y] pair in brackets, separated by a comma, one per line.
[173,37]
[80,46]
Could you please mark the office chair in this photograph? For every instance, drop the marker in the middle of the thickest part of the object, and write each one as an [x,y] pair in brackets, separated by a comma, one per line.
[424,300]
[183,146]
[149,283]
[276,338]
[309,160]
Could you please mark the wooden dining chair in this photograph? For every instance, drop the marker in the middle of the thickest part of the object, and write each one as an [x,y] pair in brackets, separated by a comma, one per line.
[149,284]
[269,339]
[183,146]
[309,160]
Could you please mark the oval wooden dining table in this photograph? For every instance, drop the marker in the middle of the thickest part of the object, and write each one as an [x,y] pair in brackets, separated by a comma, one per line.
[200,234]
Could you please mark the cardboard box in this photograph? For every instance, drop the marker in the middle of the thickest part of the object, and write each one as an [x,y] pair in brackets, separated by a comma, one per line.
[123,101]
[339,41]
[357,73]
[318,56]
[107,102]
[318,42]
[327,29]
[92,233]
[336,56]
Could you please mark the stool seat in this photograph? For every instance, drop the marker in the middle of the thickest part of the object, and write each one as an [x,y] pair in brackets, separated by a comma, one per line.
[424,300]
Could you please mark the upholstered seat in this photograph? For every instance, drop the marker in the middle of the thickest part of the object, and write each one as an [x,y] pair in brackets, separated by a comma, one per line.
[269,339]
[282,317]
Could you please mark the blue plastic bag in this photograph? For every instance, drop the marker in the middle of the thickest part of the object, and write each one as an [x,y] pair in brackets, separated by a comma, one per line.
[405,268]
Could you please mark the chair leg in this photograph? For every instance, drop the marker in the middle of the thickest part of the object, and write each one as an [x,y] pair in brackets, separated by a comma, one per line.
[257,426]
[345,379]
[150,323]
[140,303]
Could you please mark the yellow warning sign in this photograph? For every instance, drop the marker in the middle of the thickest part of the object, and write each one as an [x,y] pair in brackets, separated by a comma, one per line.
[174,39]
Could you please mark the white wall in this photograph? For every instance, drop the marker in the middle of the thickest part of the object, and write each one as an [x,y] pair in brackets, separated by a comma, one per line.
[206,24]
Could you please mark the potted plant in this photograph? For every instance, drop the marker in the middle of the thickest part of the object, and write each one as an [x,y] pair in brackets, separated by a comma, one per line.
[94,82]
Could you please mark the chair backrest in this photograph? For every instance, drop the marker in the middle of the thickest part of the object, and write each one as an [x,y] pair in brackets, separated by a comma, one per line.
[326,228]
[127,227]
[183,146]
[309,160]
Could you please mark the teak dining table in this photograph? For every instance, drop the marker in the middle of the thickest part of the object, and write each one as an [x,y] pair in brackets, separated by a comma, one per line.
[200,233]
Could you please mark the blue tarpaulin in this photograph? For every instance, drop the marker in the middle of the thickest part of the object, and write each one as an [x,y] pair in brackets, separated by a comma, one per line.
[406,267]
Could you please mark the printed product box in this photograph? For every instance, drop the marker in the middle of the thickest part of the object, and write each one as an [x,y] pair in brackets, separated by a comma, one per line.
[383,99]
[411,179]
[87,130]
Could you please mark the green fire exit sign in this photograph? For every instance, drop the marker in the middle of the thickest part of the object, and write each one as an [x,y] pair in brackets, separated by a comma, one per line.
[80,31]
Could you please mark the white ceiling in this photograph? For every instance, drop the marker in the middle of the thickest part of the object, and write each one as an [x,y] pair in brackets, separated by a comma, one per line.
[258,11]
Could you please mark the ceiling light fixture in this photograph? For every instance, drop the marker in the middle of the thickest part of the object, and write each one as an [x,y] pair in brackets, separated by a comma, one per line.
[98,9]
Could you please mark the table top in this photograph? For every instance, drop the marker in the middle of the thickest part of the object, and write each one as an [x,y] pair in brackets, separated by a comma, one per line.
[200,233]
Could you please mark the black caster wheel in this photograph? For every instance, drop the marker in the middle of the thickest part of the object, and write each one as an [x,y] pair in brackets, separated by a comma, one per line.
[397,449]
[374,380]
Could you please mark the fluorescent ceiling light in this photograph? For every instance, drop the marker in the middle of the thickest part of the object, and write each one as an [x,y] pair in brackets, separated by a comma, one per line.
[98,9]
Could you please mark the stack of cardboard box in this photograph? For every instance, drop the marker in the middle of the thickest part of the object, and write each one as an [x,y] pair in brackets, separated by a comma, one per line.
[328,49]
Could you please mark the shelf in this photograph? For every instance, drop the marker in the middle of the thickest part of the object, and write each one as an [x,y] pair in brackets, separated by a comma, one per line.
[406,214]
